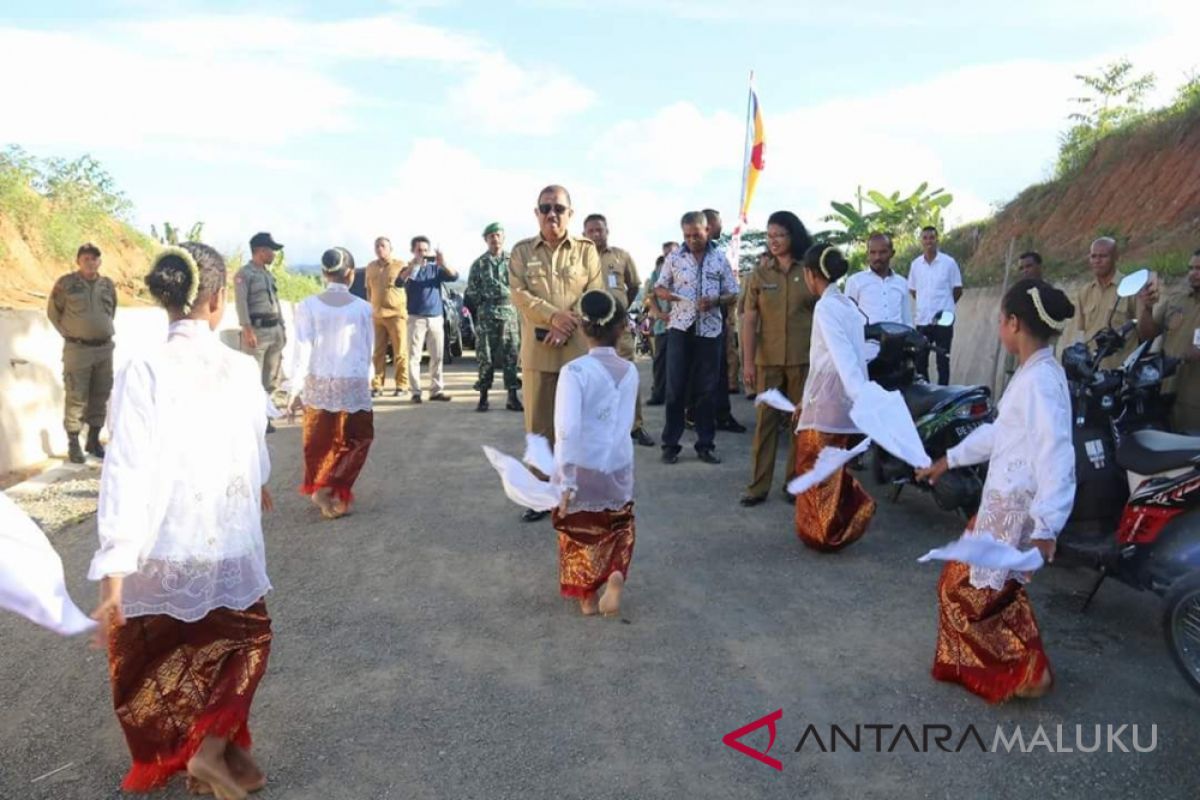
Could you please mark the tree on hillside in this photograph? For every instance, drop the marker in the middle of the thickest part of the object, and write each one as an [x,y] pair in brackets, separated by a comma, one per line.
[900,217]
[170,234]
[1115,98]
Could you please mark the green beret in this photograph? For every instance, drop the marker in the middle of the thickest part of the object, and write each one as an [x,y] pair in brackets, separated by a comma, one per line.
[495,227]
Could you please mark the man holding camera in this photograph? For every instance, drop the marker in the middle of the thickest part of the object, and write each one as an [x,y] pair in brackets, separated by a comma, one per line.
[423,288]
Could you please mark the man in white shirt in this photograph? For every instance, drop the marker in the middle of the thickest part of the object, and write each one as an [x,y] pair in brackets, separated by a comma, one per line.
[936,282]
[880,293]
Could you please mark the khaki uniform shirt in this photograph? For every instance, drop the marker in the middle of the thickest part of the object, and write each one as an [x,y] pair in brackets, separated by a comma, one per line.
[620,273]
[83,309]
[386,298]
[1178,318]
[785,310]
[545,281]
[256,293]
[1092,305]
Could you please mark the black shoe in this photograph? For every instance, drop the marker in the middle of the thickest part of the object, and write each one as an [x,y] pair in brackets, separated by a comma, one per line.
[397,393]
[734,390]
[752,499]
[532,515]
[416,398]
[655,401]
[74,451]
[787,497]
[750,396]
[93,445]
[708,456]
[441,397]
[641,437]
[270,427]
[730,424]
[689,423]
[375,393]
[514,401]
[670,455]
[483,402]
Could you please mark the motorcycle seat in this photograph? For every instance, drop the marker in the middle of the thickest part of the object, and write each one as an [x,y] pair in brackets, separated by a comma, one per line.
[922,398]
[1150,452]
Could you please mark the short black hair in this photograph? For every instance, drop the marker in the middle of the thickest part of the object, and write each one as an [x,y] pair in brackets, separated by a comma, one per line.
[693,218]
[929,228]
[595,218]
[1031,254]
[798,234]
[379,239]
[883,235]
[87,249]
[416,240]
[711,214]
[1018,302]
[835,264]
[554,188]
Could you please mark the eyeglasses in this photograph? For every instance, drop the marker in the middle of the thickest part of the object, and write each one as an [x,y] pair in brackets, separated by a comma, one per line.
[545,208]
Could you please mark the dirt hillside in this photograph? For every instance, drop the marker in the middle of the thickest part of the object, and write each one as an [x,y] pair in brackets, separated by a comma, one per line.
[1141,187]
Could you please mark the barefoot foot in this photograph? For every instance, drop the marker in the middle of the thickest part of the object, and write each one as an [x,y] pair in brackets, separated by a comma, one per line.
[1041,688]
[610,603]
[588,605]
[208,767]
[244,768]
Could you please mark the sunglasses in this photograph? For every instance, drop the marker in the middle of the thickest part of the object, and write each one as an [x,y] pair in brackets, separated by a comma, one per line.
[557,208]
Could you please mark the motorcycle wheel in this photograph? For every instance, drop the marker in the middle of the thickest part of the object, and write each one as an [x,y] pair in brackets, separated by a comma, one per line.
[1181,626]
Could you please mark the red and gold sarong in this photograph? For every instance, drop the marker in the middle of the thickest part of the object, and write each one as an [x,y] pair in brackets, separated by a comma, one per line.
[335,449]
[592,545]
[175,683]
[988,640]
[835,513]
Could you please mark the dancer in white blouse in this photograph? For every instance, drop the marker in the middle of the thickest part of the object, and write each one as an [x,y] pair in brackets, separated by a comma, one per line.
[593,461]
[331,381]
[181,560]
[988,638]
[834,513]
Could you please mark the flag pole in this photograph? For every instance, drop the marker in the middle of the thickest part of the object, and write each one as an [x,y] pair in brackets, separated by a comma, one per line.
[746,145]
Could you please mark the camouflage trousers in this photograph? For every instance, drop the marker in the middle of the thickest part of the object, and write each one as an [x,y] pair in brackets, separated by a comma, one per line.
[497,346]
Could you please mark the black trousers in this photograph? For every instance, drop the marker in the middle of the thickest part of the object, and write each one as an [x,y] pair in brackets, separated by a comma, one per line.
[942,337]
[691,360]
[721,405]
[658,388]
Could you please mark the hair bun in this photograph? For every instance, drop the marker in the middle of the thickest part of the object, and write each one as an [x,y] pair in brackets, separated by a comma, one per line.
[598,306]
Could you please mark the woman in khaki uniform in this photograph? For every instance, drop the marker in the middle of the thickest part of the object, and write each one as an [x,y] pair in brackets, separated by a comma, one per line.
[776,327]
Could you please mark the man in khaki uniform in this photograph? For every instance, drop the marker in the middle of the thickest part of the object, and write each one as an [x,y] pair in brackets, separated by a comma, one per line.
[621,279]
[81,308]
[389,306]
[548,274]
[259,313]
[776,330]
[1177,317]
[1097,298]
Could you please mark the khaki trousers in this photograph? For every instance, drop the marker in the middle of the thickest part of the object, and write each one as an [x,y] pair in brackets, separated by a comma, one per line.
[626,349]
[539,388]
[769,423]
[393,331]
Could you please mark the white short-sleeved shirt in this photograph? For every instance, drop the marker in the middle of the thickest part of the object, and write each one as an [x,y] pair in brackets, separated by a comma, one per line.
[881,299]
[934,284]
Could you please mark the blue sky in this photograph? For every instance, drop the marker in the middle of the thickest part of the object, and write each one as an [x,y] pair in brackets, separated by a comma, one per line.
[333,125]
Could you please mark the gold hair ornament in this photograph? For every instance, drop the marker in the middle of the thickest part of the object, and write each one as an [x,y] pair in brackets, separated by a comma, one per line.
[1054,324]
[193,272]
[821,263]
[612,310]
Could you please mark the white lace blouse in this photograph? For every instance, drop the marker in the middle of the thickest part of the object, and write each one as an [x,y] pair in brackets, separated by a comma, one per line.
[1030,485]
[837,364]
[179,510]
[593,414]
[331,362]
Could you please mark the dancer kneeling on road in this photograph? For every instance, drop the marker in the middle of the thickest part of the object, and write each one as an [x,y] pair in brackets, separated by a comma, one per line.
[593,460]
[836,512]
[181,560]
[988,638]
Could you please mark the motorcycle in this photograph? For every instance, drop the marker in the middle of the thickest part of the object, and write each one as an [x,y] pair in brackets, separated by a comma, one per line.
[944,415]
[1136,480]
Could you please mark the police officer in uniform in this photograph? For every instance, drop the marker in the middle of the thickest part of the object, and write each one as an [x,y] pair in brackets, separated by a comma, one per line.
[259,314]
[81,308]
[497,328]
[548,274]
[621,279]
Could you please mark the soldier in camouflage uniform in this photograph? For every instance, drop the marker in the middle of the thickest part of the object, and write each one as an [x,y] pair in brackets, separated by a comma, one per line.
[497,326]
[81,308]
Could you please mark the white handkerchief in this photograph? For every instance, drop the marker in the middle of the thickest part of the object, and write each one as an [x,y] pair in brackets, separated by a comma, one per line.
[538,454]
[884,416]
[31,575]
[829,461]
[522,486]
[984,551]
[775,399]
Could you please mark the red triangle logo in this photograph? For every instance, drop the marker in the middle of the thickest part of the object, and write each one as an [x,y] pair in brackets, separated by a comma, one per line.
[731,739]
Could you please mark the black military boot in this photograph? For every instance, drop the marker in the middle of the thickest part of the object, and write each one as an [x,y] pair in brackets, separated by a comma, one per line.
[514,402]
[483,401]
[93,443]
[74,451]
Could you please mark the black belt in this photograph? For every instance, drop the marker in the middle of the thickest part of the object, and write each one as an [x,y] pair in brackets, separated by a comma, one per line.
[264,322]
[88,342]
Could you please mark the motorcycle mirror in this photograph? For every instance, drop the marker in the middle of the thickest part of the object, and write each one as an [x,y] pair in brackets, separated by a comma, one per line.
[1133,283]
[944,319]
